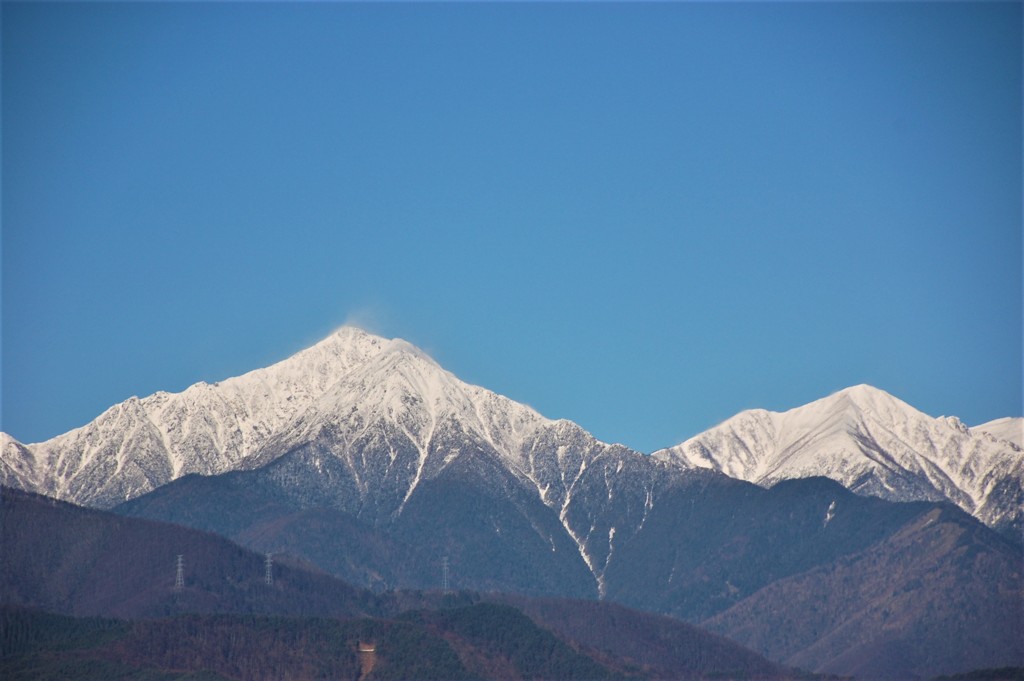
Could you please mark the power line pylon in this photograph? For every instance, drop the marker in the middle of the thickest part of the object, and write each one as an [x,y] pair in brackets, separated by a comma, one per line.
[179,573]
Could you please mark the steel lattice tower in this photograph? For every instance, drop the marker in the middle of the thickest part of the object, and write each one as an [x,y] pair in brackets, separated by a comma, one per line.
[179,573]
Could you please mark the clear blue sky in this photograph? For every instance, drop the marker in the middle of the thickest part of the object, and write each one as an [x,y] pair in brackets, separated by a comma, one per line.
[644,218]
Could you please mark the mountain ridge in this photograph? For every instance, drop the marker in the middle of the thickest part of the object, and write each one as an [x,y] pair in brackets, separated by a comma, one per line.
[218,432]
[211,428]
[872,443]
[356,422]
[354,392]
[364,457]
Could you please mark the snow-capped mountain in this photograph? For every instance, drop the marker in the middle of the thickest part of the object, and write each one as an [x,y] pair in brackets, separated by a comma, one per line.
[363,456]
[345,387]
[366,420]
[359,423]
[872,443]
[140,444]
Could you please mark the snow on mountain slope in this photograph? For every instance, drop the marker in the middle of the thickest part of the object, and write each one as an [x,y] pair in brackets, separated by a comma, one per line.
[1010,429]
[400,419]
[363,422]
[872,443]
[376,418]
[140,444]
[404,398]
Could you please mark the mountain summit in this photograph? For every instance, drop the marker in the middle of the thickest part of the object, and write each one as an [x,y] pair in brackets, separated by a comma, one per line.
[872,443]
[356,423]
[140,444]
[351,386]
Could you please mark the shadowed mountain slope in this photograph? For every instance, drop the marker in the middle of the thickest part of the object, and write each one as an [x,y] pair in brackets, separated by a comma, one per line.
[660,647]
[71,560]
[941,595]
[77,561]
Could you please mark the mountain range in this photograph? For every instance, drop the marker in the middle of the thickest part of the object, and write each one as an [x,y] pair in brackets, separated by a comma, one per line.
[363,457]
[872,443]
[354,391]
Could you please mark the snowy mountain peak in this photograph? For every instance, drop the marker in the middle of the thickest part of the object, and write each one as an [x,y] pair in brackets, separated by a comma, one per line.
[350,383]
[862,393]
[863,400]
[207,428]
[357,422]
[872,443]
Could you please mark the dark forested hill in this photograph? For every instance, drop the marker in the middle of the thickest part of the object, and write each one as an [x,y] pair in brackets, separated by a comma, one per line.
[943,593]
[77,561]
[479,641]
[660,647]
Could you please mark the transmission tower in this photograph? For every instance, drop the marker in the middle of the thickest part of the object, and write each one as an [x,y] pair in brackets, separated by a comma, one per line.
[444,574]
[179,574]
[268,569]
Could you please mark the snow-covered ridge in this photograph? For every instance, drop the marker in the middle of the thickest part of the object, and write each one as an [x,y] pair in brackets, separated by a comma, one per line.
[208,428]
[385,417]
[360,420]
[872,443]
[349,382]
[1010,429]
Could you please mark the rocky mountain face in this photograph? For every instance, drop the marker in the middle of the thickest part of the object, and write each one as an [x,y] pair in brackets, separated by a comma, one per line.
[875,444]
[495,529]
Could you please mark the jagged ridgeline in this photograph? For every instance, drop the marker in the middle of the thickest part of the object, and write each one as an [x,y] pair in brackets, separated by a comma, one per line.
[391,418]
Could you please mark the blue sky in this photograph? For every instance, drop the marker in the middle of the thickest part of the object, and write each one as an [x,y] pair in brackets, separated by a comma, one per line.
[641,217]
